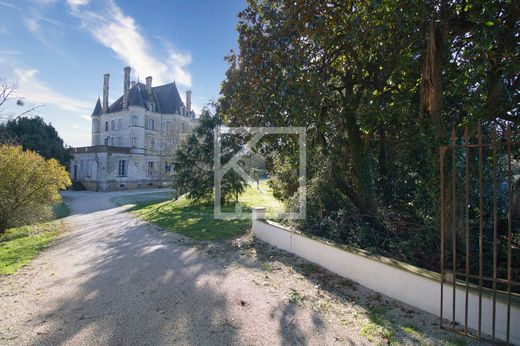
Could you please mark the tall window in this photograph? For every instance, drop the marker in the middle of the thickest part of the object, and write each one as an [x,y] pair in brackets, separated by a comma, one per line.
[119,124]
[150,168]
[152,143]
[119,141]
[167,167]
[106,140]
[89,168]
[134,142]
[135,120]
[106,126]
[112,125]
[121,169]
[112,141]
[95,125]
[151,124]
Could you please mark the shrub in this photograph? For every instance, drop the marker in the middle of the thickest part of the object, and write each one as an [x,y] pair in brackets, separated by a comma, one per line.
[29,186]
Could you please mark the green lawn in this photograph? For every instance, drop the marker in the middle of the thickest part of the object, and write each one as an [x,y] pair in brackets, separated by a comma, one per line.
[18,246]
[196,221]
[142,200]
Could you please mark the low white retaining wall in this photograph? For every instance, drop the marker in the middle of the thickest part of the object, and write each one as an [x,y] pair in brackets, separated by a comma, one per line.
[409,284]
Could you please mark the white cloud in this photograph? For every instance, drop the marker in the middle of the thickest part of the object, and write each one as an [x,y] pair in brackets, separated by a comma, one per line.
[35,91]
[8,4]
[75,3]
[9,52]
[32,25]
[79,138]
[47,34]
[45,2]
[119,32]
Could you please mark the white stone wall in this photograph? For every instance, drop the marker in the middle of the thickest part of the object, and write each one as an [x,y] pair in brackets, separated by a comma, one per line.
[123,128]
[167,132]
[153,144]
[104,170]
[83,171]
[411,285]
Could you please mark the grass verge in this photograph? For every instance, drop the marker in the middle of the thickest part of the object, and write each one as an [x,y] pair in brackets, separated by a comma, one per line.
[378,325]
[196,221]
[61,210]
[18,246]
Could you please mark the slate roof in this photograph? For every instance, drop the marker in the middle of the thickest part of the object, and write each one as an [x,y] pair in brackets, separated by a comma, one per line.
[166,98]
[97,109]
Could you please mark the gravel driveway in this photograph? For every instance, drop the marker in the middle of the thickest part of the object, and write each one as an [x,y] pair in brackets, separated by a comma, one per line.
[114,279]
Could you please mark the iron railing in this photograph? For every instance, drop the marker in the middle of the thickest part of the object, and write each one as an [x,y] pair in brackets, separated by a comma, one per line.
[476,224]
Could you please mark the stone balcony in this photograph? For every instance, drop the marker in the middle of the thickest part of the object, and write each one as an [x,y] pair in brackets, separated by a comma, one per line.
[101,149]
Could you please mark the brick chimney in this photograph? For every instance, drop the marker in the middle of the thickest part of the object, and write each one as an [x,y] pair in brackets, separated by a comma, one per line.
[106,79]
[188,100]
[149,84]
[126,87]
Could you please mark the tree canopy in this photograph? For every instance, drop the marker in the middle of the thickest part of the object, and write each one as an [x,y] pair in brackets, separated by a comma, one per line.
[194,163]
[34,134]
[377,85]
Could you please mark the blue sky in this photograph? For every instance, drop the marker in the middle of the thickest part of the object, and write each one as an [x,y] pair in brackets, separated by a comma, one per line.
[58,51]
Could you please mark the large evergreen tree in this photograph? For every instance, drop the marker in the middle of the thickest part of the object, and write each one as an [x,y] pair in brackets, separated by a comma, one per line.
[194,163]
[32,133]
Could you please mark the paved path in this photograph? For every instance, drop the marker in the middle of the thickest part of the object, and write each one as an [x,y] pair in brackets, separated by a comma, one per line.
[116,280]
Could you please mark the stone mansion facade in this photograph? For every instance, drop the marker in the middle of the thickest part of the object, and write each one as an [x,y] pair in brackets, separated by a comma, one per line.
[133,138]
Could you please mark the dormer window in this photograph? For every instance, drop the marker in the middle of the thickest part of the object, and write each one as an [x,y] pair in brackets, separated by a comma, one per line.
[151,107]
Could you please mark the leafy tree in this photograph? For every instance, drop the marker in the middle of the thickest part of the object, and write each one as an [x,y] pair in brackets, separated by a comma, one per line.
[29,185]
[194,163]
[378,85]
[324,72]
[34,134]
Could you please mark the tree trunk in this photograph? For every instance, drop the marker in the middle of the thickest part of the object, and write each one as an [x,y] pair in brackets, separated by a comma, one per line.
[431,84]
[383,164]
[361,166]
[431,92]
[431,81]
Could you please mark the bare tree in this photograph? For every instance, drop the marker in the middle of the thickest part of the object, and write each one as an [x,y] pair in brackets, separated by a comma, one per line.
[8,93]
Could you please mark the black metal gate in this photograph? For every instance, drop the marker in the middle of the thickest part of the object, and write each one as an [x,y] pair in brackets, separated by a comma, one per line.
[480,232]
